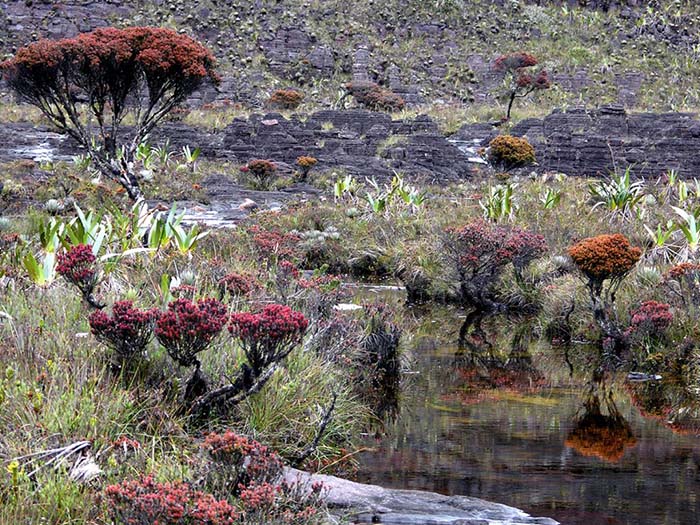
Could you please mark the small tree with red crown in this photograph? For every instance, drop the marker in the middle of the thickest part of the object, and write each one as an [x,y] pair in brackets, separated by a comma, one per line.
[87,85]
[519,83]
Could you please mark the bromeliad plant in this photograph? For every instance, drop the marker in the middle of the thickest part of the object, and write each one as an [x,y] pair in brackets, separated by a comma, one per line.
[619,194]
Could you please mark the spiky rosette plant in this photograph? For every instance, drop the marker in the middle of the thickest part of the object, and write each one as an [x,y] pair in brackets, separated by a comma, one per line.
[188,327]
[268,336]
[78,266]
[127,331]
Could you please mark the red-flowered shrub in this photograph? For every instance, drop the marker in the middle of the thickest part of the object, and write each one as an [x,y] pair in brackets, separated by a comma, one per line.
[147,502]
[604,257]
[274,245]
[236,284]
[260,173]
[78,266]
[145,71]
[374,97]
[238,462]
[519,82]
[127,331]
[188,327]
[683,280]
[480,251]
[286,98]
[268,336]
[651,319]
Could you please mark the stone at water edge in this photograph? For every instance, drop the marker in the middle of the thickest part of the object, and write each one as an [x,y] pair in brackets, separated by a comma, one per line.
[375,504]
[248,205]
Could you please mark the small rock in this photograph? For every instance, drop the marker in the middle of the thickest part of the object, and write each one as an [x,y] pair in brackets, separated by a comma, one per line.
[248,205]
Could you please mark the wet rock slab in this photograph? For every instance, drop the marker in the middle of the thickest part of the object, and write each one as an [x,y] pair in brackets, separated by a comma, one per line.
[375,504]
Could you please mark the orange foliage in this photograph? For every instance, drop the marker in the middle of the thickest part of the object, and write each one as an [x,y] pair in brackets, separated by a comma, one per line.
[604,256]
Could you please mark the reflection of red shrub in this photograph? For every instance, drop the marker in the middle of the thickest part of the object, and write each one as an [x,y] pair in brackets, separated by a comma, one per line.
[127,331]
[188,327]
[147,502]
[604,257]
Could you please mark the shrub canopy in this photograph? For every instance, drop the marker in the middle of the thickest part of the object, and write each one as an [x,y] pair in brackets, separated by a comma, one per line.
[145,71]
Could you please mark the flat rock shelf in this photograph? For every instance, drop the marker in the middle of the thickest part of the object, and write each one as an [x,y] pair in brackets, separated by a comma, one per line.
[375,504]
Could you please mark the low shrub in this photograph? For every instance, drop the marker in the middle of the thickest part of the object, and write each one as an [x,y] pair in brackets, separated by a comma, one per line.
[651,319]
[268,336]
[188,327]
[238,462]
[286,98]
[260,173]
[510,152]
[147,502]
[604,257]
[375,97]
[127,331]
[78,266]
[305,164]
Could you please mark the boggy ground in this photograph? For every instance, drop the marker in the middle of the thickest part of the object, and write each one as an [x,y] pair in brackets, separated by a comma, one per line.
[61,386]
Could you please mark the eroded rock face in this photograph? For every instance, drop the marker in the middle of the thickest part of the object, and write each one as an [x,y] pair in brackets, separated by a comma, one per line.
[374,504]
[590,143]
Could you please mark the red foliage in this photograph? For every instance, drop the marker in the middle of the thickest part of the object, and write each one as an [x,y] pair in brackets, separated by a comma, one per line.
[188,327]
[286,98]
[104,74]
[236,284]
[652,319]
[683,269]
[604,257]
[274,244]
[127,331]
[514,61]
[260,167]
[242,460]
[77,266]
[374,97]
[147,502]
[484,248]
[110,60]
[269,335]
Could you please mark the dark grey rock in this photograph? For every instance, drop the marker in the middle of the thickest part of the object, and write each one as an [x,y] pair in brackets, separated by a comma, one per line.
[374,504]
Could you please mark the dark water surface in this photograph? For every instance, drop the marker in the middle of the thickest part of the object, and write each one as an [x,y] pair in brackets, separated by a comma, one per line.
[508,445]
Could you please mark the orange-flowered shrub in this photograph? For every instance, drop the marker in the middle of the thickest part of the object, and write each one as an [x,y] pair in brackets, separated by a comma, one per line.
[511,152]
[286,98]
[604,257]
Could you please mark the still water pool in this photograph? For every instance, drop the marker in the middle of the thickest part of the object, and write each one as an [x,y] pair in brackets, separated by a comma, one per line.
[509,444]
